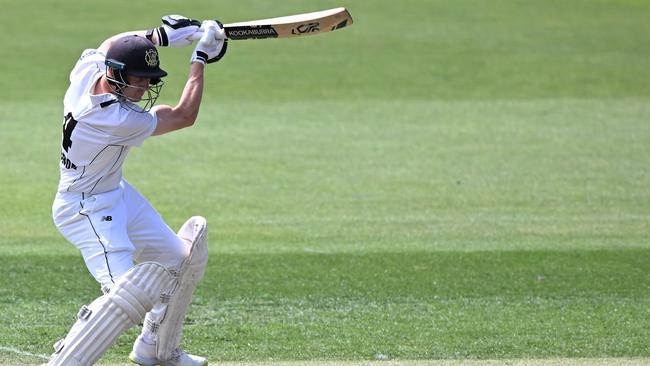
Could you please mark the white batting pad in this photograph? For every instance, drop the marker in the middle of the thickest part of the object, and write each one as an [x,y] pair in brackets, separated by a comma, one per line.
[195,233]
[101,323]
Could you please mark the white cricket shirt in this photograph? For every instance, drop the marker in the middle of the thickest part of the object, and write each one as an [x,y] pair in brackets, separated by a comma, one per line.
[98,131]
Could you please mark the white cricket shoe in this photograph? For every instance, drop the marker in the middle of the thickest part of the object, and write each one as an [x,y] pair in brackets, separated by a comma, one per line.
[144,354]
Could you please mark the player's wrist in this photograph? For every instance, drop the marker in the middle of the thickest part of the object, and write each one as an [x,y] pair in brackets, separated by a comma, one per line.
[199,58]
[152,35]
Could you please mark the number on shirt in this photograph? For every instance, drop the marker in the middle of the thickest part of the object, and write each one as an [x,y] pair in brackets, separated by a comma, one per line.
[69,124]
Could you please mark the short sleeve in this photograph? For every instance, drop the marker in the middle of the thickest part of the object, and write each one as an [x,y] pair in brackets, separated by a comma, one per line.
[134,127]
[85,72]
[90,62]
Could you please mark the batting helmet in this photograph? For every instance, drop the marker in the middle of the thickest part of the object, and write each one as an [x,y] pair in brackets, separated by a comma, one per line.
[136,56]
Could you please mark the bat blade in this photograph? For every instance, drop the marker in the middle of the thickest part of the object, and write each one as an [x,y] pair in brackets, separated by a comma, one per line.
[290,26]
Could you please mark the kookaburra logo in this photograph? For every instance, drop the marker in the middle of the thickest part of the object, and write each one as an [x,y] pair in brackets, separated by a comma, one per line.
[151,58]
[306,28]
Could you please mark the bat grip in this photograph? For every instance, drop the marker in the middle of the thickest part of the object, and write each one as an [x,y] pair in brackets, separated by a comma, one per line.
[198,34]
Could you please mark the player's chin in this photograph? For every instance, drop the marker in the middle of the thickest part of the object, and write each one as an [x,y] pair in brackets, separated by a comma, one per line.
[135,98]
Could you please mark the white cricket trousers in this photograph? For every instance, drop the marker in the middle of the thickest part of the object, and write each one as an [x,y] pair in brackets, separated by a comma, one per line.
[115,229]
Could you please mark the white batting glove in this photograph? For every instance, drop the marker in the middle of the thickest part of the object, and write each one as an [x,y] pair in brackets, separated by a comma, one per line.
[212,45]
[175,31]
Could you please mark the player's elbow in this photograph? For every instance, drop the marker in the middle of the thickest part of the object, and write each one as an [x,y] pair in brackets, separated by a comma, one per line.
[186,118]
[189,119]
[172,119]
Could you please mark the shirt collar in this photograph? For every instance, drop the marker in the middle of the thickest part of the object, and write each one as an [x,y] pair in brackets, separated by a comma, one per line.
[96,99]
[101,98]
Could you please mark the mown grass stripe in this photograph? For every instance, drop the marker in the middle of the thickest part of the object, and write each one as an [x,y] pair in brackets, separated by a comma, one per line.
[513,362]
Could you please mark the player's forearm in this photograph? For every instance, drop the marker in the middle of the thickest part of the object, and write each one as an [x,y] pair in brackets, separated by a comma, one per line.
[184,114]
[188,105]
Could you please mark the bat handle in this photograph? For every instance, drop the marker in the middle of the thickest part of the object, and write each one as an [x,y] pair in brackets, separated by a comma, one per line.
[198,34]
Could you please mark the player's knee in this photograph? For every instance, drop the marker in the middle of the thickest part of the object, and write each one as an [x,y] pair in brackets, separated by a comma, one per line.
[195,234]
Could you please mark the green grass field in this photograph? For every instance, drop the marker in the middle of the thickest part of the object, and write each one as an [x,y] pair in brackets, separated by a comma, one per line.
[445,182]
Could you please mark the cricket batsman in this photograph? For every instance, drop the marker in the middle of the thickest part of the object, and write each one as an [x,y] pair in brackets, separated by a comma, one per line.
[108,109]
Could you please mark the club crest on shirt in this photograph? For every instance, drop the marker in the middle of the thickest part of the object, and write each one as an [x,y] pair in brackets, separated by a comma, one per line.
[151,58]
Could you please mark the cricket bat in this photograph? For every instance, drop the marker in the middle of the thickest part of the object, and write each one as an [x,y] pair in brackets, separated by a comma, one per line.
[289,26]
